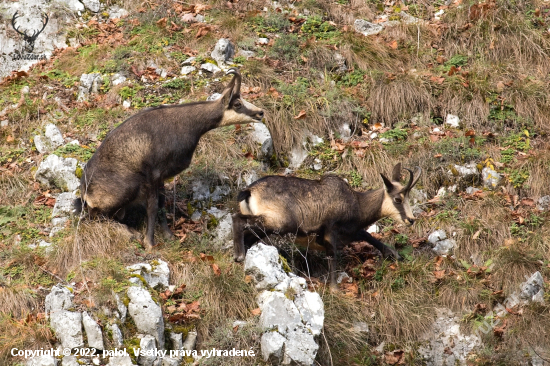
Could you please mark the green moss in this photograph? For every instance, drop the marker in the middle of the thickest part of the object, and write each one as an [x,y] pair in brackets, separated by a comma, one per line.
[78,172]
[284,264]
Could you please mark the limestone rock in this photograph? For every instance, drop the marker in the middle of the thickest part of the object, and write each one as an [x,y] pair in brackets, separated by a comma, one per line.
[64,204]
[300,348]
[118,340]
[185,70]
[543,203]
[437,236]
[223,51]
[280,313]
[210,68]
[445,344]
[118,79]
[490,177]
[224,229]
[42,361]
[116,12]
[51,140]
[367,28]
[92,5]
[55,171]
[442,245]
[533,288]
[89,84]
[147,315]
[155,273]
[452,120]
[262,263]
[59,298]
[93,332]
[69,361]
[120,361]
[190,341]
[272,344]
[311,308]
[67,326]
[147,343]
[260,133]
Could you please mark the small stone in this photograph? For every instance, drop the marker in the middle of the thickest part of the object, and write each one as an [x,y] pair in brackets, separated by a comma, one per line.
[189,61]
[4,123]
[367,28]
[385,140]
[67,326]
[118,79]
[260,133]
[55,171]
[452,120]
[343,277]
[300,348]
[543,203]
[373,135]
[93,331]
[147,344]
[532,287]
[272,344]
[311,308]
[373,229]
[223,51]
[118,340]
[127,104]
[155,273]
[472,190]
[42,361]
[262,263]
[147,314]
[437,236]
[438,14]
[64,204]
[199,18]
[210,68]
[262,41]
[490,178]
[116,12]
[214,97]
[69,361]
[317,164]
[247,54]
[278,312]
[185,70]
[239,323]
[444,246]
[190,341]
[120,361]
[360,327]
[92,5]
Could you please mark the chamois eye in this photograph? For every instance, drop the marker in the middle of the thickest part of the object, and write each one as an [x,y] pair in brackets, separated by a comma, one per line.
[237,104]
[398,200]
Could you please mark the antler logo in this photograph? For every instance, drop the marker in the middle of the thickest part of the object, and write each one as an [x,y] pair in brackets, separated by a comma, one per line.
[29,39]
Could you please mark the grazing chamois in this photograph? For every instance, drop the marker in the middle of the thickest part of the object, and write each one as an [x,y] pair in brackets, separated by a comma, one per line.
[133,161]
[327,208]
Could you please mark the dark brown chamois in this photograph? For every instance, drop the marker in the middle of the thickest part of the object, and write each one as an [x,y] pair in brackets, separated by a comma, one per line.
[130,166]
[327,208]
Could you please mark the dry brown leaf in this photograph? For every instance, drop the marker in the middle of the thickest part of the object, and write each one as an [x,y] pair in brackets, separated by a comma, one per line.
[216,269]
[301,115]
[256,311]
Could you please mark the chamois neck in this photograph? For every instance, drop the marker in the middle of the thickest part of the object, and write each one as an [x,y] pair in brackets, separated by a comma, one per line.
[371,205]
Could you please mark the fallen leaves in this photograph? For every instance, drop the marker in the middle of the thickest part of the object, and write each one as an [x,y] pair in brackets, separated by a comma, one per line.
[301,115]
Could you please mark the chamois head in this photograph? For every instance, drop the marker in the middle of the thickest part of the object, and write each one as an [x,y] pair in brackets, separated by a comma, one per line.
[236,109]
[396,196]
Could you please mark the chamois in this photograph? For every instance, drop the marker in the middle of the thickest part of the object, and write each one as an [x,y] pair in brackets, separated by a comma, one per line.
[133,161]
[327,208]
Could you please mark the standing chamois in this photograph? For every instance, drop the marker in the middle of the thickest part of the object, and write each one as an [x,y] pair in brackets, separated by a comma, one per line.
[132,163]
[328,208]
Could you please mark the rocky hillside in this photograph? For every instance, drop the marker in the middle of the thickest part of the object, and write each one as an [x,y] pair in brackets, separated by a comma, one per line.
[349,87]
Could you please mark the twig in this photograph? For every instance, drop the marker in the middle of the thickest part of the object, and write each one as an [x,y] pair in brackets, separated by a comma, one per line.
[536,353]
[52,274]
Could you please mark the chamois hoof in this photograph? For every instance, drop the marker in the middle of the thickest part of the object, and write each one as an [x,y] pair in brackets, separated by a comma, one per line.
[239,258]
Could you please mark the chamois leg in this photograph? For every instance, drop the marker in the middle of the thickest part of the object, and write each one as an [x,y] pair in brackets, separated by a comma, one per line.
[331,246]
[166,232]
[244,236]
[152,211]
[238,237]
[387,251]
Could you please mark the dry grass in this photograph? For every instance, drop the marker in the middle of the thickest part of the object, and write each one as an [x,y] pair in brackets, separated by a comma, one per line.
[22,335]
[17,302]
[222,297]
[404,97]
[93,239]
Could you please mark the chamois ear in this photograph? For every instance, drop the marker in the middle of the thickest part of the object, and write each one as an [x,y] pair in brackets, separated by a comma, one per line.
[387,183]
[396,173]
[234,85]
